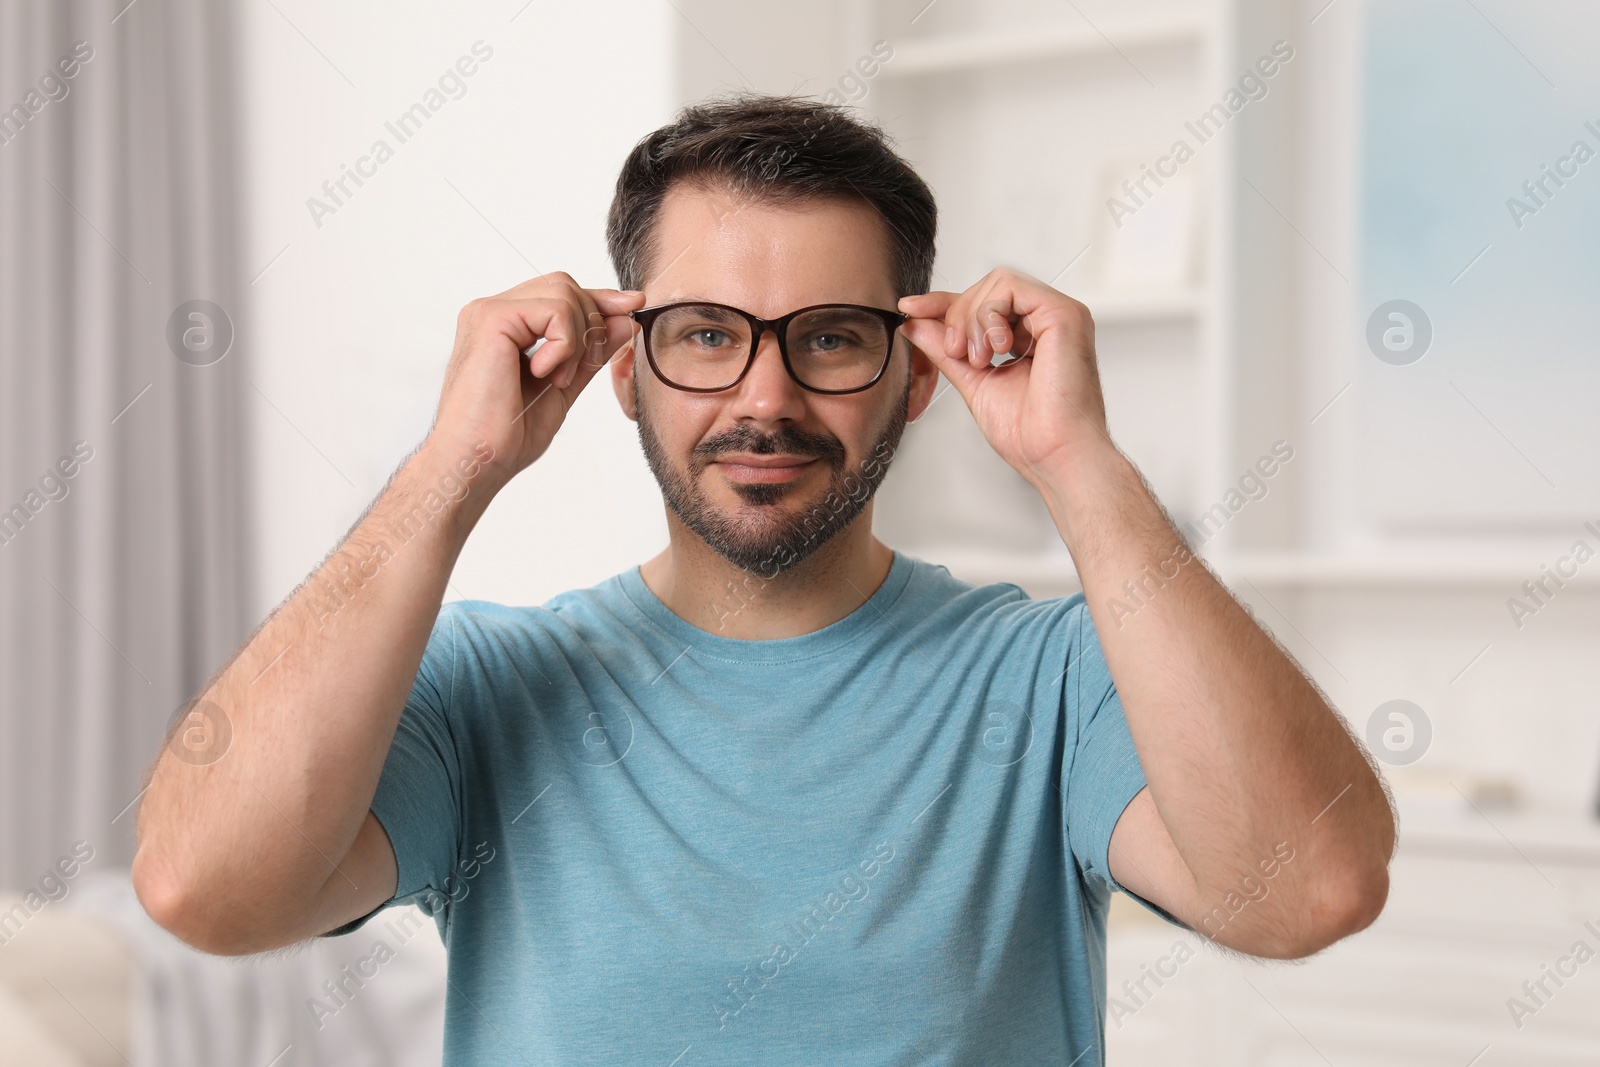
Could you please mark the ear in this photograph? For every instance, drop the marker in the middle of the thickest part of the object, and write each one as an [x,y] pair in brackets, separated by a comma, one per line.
[924,380]
[622,380]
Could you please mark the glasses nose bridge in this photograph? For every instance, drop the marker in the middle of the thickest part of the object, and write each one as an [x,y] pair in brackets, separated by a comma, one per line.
[759,328]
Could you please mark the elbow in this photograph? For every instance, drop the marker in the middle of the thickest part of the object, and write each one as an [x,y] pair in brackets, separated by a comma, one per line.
[1321,916]
[162,895]
[170,901]
[187,912]
[1337,911]
[1361,904]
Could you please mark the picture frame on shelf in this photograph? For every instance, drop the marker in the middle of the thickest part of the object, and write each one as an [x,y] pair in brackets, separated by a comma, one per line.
[1148,234]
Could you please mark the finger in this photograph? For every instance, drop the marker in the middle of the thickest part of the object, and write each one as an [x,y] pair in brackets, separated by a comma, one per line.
[1022,339]
[556,359]
[538,286]
[591,327]
[992,329]
[617,301]
[959,335]
[584,323]
[608,301]
[1027,305]
[618,326]
[618,331]
[567,362]
[936,305]
[530,320]
[522,321]
[524,289]
[604,337]
[931,305]
[928,336]
[606,327]
[967,320]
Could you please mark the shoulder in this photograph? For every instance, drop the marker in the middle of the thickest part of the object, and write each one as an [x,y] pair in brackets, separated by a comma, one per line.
[488,628]
[1000,605]
[996,621]
[932,587]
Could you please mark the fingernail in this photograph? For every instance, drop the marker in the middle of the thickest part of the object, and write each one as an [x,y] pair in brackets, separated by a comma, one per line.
[949,338]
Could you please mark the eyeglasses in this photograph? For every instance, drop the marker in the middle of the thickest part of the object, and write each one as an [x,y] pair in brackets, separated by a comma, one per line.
[701,347]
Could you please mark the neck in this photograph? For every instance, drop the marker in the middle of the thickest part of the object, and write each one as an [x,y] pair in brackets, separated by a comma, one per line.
[707,591]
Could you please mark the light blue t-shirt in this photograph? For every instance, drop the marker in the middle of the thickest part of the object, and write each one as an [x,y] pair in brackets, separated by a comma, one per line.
[882,842]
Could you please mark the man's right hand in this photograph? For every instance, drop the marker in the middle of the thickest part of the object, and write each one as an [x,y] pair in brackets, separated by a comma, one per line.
[270,839]
[494,394]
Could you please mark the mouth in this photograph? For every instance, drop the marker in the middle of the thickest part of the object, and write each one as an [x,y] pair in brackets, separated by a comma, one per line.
[745,467]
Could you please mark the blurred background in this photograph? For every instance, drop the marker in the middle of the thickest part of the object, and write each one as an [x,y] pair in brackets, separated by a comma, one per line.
[1340,255]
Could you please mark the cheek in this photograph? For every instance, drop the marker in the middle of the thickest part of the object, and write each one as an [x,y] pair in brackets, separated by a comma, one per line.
[681,426]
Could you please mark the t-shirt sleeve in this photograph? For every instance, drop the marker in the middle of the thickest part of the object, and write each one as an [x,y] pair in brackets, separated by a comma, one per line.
[419,790]
[1102,768]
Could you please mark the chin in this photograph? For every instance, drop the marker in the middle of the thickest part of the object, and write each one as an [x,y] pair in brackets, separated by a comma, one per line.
[763,494]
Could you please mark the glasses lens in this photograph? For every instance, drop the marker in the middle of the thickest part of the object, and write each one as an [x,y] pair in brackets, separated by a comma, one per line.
[699,346]
[837,347]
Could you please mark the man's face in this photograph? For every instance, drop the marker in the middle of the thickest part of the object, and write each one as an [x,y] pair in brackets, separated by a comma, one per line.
[769,260]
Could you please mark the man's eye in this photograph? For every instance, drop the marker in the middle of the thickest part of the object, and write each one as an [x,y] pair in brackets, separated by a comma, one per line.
[832,342]
[708,337]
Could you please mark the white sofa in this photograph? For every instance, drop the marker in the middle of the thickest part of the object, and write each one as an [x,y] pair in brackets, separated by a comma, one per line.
[91,981]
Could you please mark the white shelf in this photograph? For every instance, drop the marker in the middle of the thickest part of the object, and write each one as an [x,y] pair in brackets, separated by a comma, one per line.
[1441,822]
[1185,43]
[1310,569]
[1131,306]
[951,54]
[1054,569]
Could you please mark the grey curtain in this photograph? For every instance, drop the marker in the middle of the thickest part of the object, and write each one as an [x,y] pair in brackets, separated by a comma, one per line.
[123,527]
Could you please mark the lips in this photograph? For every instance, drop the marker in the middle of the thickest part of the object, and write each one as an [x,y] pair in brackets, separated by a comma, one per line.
[744,467]
[744,459]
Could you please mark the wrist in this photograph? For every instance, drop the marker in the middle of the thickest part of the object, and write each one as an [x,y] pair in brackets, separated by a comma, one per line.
[1093,494]
[446,486]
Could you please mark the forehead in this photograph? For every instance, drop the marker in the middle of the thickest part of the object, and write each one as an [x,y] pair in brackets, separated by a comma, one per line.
[768,258]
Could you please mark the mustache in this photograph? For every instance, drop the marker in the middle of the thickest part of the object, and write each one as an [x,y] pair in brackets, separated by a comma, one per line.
[791,440]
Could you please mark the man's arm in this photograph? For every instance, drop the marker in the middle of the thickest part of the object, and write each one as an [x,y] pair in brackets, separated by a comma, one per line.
[255,829]
[1264,826]
[1246,764]
[249,847]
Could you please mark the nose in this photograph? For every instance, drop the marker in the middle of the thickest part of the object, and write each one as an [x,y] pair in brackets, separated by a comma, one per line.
[767,393]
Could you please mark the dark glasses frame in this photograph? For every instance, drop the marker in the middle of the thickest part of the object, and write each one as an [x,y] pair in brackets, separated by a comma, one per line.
[646,317]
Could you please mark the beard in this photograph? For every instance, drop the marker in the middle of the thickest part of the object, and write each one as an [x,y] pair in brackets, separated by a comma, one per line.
[762,531]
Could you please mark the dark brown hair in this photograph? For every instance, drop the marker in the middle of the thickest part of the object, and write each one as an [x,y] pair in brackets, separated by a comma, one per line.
[778,149]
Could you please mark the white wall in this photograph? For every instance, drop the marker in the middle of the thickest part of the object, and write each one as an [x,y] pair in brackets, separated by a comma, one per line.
[350,326]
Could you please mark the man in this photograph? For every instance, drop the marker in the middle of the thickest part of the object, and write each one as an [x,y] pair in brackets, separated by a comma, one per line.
[781,793]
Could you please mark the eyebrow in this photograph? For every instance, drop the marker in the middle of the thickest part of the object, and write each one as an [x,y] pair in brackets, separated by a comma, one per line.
[715,305]
[696,299]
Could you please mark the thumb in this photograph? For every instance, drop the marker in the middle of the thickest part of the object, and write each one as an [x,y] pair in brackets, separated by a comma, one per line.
[617,301]
[930,305]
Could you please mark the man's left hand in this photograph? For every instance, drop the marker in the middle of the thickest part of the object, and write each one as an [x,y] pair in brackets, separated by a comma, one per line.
[1043,412]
